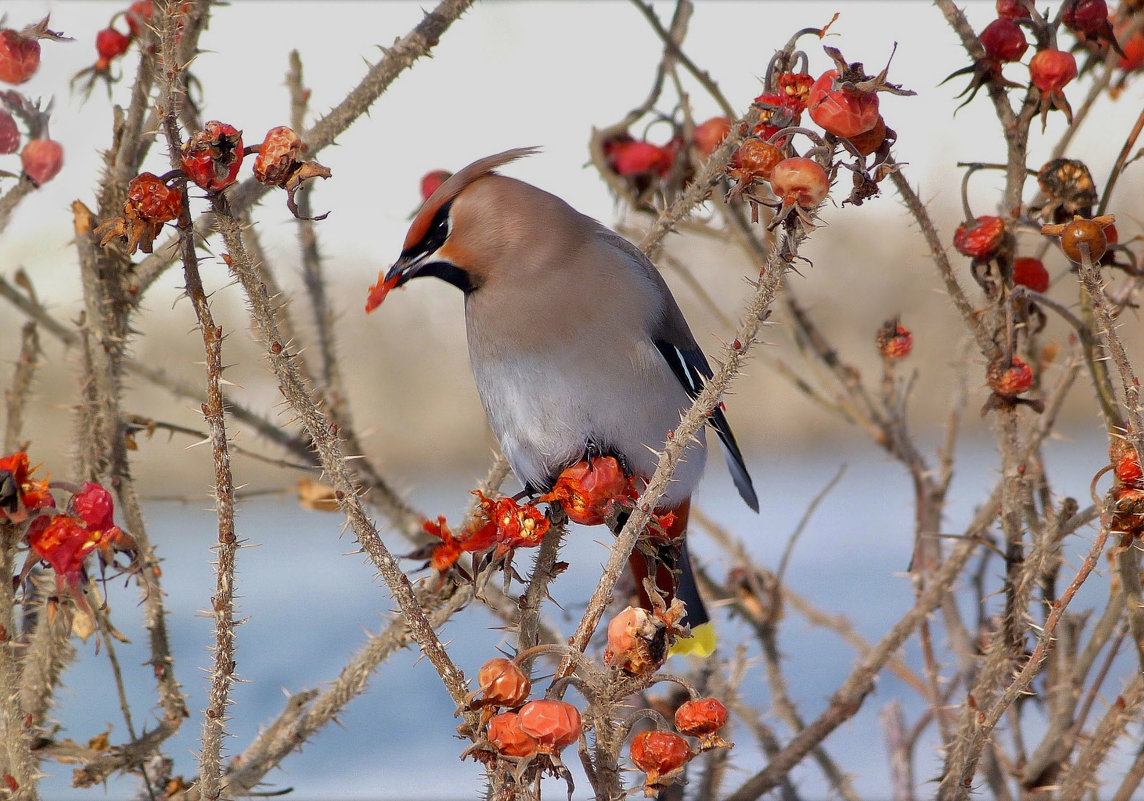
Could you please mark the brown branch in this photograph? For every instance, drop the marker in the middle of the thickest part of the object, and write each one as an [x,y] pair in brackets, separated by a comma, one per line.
[16,397]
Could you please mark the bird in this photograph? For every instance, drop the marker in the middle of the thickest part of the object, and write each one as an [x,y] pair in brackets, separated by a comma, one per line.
[577,347]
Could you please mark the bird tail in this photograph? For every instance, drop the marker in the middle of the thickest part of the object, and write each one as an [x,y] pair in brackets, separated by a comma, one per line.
[674,578]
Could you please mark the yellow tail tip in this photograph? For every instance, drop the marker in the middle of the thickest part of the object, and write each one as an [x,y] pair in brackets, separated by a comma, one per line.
[701,642]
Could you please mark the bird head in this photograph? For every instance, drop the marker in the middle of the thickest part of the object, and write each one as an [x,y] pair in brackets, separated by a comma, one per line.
[446,233]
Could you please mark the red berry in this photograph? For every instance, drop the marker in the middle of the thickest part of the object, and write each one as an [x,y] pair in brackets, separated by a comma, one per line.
[1031,273]
[1133,47]
[1125,463]
[1009,379]
[503,683]
[94,506]
[1004,40]
[1051,70]
[280,151]
[138,17]
[431,181]
[639,158]
[110,44]
[894,341]
[149,199]
[800,181]
[553,724]
[702,718]
[1013,9]
[710,134]
[42,159]
[981,239]
[9,133]
[19,56]
[505,734]
[1086,17]
[659,754]
[842,112]
[211,158]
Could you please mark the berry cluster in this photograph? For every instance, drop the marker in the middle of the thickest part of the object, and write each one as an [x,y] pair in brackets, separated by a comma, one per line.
[64,540]
[41,157]
[210,159]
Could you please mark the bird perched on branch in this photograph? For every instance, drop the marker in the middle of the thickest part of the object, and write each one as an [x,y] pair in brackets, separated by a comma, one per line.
[577,345]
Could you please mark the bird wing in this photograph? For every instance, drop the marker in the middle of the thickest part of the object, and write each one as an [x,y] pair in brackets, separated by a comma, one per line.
[675,342]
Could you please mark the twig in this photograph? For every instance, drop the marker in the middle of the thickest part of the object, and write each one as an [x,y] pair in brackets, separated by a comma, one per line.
[16,397]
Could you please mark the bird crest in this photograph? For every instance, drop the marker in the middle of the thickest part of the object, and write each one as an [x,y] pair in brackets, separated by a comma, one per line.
[453,186]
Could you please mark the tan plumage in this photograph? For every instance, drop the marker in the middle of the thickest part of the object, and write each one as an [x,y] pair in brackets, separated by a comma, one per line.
[575,340]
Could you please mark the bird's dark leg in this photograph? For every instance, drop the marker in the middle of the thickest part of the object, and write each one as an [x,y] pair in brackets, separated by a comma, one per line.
[591,449]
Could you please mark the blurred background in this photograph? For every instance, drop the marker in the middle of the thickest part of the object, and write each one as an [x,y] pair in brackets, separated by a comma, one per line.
[511,74]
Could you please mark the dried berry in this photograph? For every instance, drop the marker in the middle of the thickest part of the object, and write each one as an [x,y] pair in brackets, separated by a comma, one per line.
[1068,185]
[41,160]
[506,736]
[1030,272]
[19,56]
[661,755]
[212,157]
[279,163]
[553,724]
[869,142]
[1082,237]
[795,90]
[980,239]
[894,340]
[842,110]
[703,718]
[755,160]
[94,506]
[19,492]
[149,204]
[1009,378]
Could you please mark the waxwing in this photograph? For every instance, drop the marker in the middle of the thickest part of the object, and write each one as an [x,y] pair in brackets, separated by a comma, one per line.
[577,345]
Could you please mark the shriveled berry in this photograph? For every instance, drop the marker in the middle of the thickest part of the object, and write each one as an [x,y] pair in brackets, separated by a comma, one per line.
[869,142]
[506,736]
[981,239]
[1069,186]
[1030,272]
[800,181]
[1052,70]
[1004,40]
[9,134]
[41,160]
[894,340]
[553,724]
[702,718]
[502,683]
[710,134]
[430,182]
[212,157]
[281,149]
[152,200]
[843,112]
[661,755]
[756,159]
[1009,378]
[94,506]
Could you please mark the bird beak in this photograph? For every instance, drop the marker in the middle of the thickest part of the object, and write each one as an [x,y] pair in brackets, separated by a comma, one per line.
[401,271]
